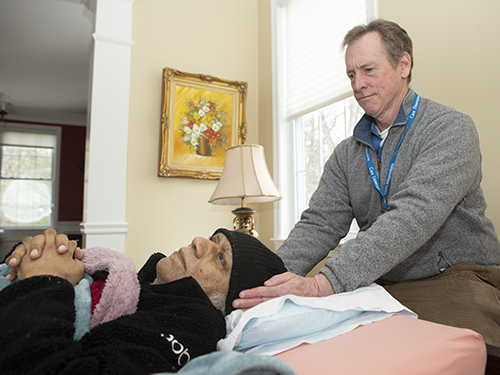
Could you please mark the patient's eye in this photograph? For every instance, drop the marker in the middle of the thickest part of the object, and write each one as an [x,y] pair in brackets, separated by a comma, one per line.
[222,258]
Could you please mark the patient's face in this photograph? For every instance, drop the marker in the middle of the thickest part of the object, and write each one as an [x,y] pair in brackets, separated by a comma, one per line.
[208,261]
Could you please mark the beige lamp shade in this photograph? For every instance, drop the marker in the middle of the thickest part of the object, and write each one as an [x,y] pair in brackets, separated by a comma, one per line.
[245,176]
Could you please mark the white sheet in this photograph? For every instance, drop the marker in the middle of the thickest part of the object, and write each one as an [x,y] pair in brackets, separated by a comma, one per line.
[285,322]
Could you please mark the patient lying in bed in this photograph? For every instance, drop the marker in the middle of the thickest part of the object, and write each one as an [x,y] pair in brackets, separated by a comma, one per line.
[159,326]
[274,326]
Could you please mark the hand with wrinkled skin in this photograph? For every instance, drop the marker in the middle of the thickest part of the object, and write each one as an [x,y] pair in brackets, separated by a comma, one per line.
[283,284]
[35,246]
[51,262]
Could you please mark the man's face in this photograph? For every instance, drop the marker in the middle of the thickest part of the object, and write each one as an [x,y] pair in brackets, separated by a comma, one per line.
[208,261]
[379,87]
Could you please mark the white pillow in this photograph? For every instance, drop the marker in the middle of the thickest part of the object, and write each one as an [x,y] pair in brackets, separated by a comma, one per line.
[288,321]
[292,321]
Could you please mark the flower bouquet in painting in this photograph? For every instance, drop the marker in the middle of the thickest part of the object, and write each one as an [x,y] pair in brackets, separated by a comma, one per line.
[202,126]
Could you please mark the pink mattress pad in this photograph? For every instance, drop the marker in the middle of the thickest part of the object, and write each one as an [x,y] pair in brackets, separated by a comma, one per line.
[396,345]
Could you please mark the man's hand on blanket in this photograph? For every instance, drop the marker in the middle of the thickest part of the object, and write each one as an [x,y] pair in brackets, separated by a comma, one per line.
[283,284]
[51,261]
[34,246]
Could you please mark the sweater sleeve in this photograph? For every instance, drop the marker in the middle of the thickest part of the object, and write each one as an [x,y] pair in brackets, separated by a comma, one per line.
[173,324]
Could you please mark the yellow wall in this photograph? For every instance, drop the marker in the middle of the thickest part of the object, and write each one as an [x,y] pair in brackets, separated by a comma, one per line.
[456,54]
[219,38]
[265,223]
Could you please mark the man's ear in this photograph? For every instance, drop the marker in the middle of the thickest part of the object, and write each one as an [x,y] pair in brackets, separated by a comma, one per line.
[405,65]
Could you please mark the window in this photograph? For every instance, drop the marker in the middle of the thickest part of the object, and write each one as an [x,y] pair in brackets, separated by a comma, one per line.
[28,175]
[315,136]
[314,108]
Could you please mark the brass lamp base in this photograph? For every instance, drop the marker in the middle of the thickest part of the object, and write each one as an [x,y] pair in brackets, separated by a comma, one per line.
[244,222]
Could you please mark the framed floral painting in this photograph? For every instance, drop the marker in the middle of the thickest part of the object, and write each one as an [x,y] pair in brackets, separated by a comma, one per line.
[201,116]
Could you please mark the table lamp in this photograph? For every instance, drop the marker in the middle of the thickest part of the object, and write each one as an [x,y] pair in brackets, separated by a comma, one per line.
[245,180]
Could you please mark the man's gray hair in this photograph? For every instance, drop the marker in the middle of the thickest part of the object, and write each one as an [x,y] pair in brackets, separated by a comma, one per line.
[395,39]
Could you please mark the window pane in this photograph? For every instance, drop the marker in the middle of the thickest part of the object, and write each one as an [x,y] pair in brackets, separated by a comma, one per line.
[43,167]
[317,134]
[311,141]
[25,202]
[26,186]
[26,162]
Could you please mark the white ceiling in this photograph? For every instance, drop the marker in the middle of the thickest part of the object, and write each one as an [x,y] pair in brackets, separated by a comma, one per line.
[45,50]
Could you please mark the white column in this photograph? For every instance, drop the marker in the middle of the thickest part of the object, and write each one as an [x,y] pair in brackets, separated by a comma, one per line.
[107,132]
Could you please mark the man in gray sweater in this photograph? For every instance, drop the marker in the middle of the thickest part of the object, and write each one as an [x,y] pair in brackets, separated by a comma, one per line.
[410,176]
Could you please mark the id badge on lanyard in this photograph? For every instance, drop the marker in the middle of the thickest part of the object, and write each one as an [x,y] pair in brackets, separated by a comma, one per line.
[371,167]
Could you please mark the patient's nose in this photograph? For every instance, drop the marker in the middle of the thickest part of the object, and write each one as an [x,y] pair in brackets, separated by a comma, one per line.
[202,246]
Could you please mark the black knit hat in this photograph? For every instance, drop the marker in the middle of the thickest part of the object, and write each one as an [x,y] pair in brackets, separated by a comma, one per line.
[253,264]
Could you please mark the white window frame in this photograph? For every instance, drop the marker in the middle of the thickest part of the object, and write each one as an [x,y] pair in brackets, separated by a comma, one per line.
[37,129]
[283,137]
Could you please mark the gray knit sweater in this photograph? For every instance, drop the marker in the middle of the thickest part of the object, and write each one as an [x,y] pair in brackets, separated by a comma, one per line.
[436,205]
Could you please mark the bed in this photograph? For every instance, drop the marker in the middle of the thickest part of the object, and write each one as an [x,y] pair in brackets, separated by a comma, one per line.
[396,345]
[372,334]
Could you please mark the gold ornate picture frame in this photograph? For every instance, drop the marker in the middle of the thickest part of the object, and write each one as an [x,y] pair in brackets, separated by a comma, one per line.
[201,116]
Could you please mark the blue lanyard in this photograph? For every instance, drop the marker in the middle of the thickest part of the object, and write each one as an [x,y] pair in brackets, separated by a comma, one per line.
[369,162]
